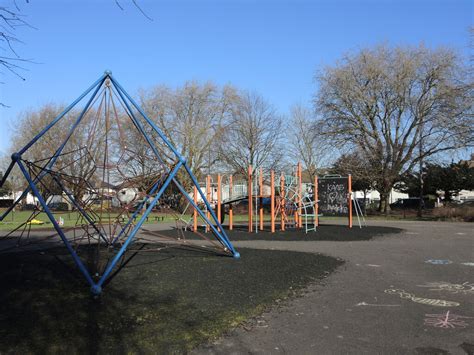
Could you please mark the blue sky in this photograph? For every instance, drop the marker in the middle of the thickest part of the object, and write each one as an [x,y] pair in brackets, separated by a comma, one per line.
[272,47]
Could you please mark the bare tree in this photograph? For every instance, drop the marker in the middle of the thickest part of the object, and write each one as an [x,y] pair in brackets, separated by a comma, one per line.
[192,117]
[135,3]
[389,101]
[253,136]
[10,20]
[307,143]
[83,150]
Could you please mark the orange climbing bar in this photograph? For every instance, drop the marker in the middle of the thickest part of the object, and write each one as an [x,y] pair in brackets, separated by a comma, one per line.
[260,183]
[282,201]
[296,194]
[300,194]
[249,193]
[272,200]
[208,192]
[316,204]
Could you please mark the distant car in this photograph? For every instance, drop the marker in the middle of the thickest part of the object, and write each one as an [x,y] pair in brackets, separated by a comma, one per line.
[5,203]
[467,203]
[58,206]
[411,204]
[28,207]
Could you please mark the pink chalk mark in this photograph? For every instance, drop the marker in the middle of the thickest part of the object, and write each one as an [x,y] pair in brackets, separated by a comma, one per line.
[446,321]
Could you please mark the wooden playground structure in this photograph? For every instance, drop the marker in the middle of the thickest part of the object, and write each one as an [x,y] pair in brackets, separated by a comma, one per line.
[293,203]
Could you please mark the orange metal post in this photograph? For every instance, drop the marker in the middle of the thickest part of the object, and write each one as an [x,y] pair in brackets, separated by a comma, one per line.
[230,205]
[272,200]
[296,202]
[316,205]
[282,201]
[208,192]
[249,193]
[349,190]
[261,198]
[300,192]
[219,198]
[195,214]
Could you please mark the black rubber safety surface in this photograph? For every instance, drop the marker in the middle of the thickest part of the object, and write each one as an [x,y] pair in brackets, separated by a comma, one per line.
[162,302]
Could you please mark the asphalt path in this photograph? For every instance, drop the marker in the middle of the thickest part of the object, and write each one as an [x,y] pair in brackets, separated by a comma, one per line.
[407,293]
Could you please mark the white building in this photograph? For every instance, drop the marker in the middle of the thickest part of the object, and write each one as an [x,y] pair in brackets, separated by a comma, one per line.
[464,195]
[374,196]
[29,200]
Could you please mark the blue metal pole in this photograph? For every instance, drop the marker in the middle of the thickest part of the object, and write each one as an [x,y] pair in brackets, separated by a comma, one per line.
[152,146]
[150,122]
[222,238]
[73,128]
[84,213]
[7,172]
[9,209]
[139,126]
[41,200]
[140,206]
[66,110]
[98,83]
[96,289]
[208,205]
[168,143]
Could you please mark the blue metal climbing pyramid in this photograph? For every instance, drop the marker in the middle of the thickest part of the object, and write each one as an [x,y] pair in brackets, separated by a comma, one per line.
[102,140]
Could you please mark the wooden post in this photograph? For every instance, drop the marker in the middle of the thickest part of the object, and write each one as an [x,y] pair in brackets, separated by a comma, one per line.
[230,204]
[249,193]
[219,198]
[316,204]
[208,193]
[300,191]
[195,214]
[261,198]
[349,197]
[272,200]
[282,201]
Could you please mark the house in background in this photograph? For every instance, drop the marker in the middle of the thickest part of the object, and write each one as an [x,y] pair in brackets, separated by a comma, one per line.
[466,195]
[373,196]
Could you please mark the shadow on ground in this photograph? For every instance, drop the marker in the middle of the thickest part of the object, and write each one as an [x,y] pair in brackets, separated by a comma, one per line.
[162,302]
[337,233]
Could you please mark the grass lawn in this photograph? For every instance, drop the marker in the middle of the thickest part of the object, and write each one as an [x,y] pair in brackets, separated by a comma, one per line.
[162,302]
[15,219]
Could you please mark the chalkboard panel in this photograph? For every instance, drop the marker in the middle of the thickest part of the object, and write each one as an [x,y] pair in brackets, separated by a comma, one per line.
[332,196]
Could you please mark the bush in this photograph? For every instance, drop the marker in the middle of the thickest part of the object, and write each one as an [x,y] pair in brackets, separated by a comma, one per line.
[59,206]
[463,213]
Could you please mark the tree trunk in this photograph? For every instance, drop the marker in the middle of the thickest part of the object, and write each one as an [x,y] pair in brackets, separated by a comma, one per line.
[384,205]
[447,197]
[365,202]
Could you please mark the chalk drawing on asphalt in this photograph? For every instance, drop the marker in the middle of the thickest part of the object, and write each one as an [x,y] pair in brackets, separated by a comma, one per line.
[446,320]
[438,261]
[465,288]
[468,264]
[427,301]
[376,305]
